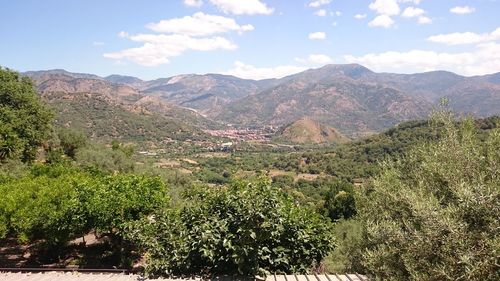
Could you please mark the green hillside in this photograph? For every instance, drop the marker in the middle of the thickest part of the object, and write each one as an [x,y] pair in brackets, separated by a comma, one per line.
[100,119]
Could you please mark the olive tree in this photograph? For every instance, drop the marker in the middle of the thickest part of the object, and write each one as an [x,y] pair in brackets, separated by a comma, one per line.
[434,213]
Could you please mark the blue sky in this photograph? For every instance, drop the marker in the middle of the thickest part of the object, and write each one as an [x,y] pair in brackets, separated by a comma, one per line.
[249,38]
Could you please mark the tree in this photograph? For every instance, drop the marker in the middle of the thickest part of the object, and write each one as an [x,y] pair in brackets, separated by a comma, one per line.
[71,140]
[339,201]
[243,229]
[433,214]
[24,121]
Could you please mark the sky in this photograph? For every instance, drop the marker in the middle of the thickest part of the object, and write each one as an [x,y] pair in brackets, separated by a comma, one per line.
[252,39]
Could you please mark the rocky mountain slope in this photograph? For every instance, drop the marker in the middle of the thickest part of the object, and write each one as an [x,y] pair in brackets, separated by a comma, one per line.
[353,107]
[349,97]
[208,94]
[359,101]
[107,110]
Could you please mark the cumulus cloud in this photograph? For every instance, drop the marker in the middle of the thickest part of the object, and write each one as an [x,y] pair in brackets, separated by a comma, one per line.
[360,16]
[385,7]
[199,24]
[411,12]
[318,3]
[246,7]
[424,20]
[248,71]
[157,49]
[320,13]
[193,3]
[315,59]
[384,21]
[463,38]
[178,35]
[484,59]
[317,35]
[462,10]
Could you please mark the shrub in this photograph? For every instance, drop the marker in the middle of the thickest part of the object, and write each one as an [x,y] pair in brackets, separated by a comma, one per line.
[58,203]
[242,229]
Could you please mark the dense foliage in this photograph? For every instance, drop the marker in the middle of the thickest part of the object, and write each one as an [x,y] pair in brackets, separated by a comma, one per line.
[58,203]
[24,120]
[339,201]
[433,214]
[240,229]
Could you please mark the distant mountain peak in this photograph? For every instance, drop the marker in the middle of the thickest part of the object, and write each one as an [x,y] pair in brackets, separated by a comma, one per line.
[353,70]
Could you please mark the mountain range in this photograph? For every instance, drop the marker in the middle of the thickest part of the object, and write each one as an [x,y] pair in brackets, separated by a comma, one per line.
[350,98]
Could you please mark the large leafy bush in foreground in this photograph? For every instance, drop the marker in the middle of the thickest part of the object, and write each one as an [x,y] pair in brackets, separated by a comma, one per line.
[241,229]
[434,214]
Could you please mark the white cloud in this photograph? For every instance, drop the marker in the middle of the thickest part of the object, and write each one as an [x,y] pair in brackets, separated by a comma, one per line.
[424,20]
[317,36]
[98,43]
[385,7]
[416,2]
[317,3]
[247,71]
[338,13]
[411,12]
[246,7]
[360,16]
[123,34]
[193,3]
[484,59]
[320,13]
[462,38]
[462,10]
[384,21]
[199,24]
[157,49]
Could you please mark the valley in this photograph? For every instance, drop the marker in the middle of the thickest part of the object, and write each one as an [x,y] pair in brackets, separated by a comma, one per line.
[119,147]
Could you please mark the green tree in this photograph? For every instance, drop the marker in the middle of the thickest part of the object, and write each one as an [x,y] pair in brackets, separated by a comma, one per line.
[339,201]
[241,229]
[24,121]
[434,213]
[71,140]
